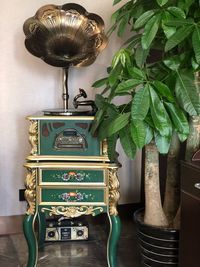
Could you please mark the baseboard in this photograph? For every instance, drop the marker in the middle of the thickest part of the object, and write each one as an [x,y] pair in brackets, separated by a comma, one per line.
[11,224]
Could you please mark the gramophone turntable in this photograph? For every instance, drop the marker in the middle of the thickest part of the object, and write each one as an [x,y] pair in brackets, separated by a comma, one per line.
[61,142]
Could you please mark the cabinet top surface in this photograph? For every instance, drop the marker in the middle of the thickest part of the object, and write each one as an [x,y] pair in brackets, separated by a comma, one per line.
[40,116]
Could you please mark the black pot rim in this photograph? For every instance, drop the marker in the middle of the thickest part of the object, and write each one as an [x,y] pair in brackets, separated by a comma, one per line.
[138,214]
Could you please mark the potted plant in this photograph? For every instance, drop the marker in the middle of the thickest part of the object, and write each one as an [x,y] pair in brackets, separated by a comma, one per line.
[157,70]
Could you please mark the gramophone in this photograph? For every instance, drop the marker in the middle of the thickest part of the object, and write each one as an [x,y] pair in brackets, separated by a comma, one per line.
[66,36]
[69,173]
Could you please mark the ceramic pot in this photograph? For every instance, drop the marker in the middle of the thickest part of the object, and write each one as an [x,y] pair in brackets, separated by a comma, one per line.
[158,246]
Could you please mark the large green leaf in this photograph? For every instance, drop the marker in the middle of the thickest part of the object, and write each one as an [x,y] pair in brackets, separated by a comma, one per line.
[115,125]
[159,114]
[103,104]
[149,134]
[136,73]
[179,22]
[112,141]
[122,25]
[173,63]
[150,31]
[116,2]
[178,37]
[187,93]
[119,13]
[196,43]
[149,121]
[116,15]
[125,86]
[115,74]
[163,90]
[177,12]
[98,119]
[138,133]
[141,56]
[140,104]
[142,20]
[185,5]
[125,57]
[178,118]
[162,2]
[168,30]
[111,30]
[116,59]
[100,101]
[127,143]
[133,40]
[162,143]
[100,83]
[182,137]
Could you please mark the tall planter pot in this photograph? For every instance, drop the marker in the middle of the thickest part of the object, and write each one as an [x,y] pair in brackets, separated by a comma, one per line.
[158,246]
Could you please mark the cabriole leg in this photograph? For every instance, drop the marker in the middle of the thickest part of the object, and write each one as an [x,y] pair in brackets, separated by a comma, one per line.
[115,230]
[29,233]
[30,217]
[41,229]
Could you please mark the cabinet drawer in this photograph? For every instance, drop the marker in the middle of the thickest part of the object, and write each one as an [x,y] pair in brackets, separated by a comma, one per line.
[190,180]
[63,176]
[71,196]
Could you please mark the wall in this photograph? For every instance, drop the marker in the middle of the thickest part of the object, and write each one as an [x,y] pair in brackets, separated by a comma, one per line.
[28,85]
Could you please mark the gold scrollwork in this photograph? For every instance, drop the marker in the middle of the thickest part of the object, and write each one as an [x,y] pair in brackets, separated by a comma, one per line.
[30,192]
[33,137]
[72,212]
[114,194]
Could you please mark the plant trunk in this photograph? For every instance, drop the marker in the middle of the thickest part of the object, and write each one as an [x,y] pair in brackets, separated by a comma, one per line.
[193,138]
[154,214]
[177,219]
[172,187]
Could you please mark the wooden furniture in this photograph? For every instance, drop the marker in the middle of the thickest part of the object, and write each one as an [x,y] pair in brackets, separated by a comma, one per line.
[68,174]
[190,215]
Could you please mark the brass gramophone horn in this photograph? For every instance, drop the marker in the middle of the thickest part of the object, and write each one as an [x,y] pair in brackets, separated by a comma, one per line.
[65,36]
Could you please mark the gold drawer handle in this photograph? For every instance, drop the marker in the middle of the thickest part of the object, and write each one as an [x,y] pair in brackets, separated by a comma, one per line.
[197,185]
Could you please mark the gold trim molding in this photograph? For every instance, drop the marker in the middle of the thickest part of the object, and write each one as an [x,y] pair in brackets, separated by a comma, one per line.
[33,136]
[114,194]
[72,212]
[105,148]
[30,192]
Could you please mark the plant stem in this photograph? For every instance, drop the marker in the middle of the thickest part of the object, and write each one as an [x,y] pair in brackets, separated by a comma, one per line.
[154,214]
[172,187]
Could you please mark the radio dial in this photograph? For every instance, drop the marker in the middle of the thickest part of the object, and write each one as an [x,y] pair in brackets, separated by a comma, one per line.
[80,232]
[51,234]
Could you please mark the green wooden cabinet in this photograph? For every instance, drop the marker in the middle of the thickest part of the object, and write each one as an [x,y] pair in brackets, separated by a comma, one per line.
[68,174]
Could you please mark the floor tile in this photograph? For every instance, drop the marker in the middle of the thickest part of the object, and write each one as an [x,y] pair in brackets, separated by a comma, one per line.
[13,250]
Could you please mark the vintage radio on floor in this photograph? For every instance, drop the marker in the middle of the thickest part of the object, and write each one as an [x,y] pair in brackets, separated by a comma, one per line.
[66,230]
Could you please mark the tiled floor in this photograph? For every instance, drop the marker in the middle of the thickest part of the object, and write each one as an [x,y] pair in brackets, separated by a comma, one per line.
[91,253]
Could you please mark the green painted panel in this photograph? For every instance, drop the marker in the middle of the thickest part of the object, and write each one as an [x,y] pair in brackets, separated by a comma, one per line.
[73,176]
[67,137]
[72,195]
